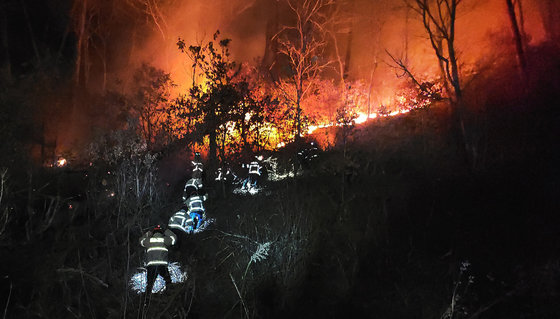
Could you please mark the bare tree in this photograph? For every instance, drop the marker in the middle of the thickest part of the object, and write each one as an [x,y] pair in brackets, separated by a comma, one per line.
[152,9]
[151,101]
[341,23]
[438,18]
[304,43]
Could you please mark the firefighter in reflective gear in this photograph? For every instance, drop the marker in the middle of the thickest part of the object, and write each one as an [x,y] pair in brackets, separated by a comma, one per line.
[307,155]
[197,166]
[179,221]
[192,187]
[254,173]
[255,168]
[220,176]
[196,212]
[225,174]
[156,243]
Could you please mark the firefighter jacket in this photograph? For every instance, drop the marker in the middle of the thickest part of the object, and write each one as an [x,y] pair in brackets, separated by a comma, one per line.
[192,185]
[178,220]
[194,182]
[220,175]
[255,168]
[194,203]
[156,245]
[197,169]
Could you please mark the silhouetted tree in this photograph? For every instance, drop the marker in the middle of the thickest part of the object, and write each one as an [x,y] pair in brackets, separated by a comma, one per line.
[214,100]
[82,16]
[303,43]
[151,102]
[438,18]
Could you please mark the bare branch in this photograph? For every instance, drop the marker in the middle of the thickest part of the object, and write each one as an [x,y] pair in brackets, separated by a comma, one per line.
[402,66]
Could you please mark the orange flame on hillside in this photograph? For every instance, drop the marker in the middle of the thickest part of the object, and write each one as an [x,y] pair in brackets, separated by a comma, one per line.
[61,162]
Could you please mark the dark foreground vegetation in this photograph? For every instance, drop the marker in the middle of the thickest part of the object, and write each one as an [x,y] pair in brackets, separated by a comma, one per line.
[398,223]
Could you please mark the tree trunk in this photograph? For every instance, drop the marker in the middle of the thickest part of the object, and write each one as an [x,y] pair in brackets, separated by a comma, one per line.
[521,21]
[452,57]
[80,44]
[213,144]
[298,111]
[370,87]
[5,64]
[87,63]
[348,54]
[212,148]
[517,35]
[31,34]
[442,70]
[104,61]
[149,130]
[244,128]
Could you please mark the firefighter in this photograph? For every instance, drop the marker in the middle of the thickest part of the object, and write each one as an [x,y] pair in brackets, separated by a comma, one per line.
[231,176]
[308,155]
[192,187]
[197,166]
[254,172]
[157,243]
[196,212]
[179,221]
[226,174]
[220,176]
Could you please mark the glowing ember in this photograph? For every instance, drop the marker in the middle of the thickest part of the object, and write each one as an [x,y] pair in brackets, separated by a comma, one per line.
[61,162]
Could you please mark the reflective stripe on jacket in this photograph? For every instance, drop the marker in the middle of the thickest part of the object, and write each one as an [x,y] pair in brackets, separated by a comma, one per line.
[254,168]
[197,166]
[195,202]
[194,182]
[157,246]
[178,220]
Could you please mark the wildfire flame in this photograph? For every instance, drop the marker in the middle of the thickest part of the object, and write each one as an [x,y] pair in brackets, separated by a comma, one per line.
[61,162]
[362,118]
